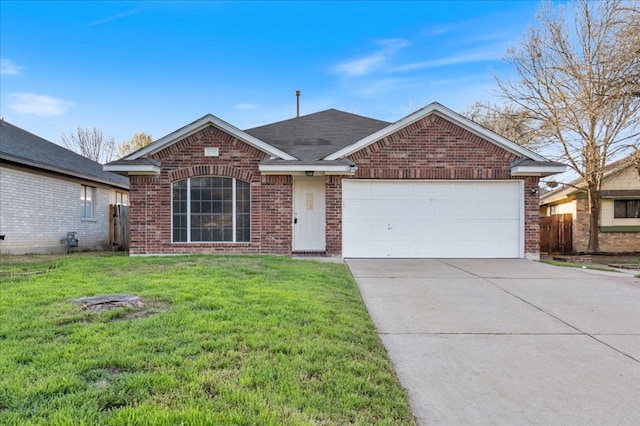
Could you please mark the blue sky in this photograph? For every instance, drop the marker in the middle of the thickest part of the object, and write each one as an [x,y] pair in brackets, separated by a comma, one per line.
[128,67]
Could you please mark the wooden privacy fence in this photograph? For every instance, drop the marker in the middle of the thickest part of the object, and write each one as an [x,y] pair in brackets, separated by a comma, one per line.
[119,227]
[555,233]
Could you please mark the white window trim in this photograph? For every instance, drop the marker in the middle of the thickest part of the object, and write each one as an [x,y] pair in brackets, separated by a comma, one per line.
[83,199]
[234,211]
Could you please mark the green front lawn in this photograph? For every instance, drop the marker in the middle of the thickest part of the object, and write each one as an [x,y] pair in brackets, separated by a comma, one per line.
[220,340]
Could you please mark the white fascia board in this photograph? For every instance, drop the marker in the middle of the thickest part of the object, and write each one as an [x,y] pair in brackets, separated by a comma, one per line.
[558,194]
[138,169]
[285,168]
[199,125]
[448,114]
[537,170]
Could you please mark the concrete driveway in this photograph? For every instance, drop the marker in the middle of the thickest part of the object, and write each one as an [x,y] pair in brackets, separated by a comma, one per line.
[508,341]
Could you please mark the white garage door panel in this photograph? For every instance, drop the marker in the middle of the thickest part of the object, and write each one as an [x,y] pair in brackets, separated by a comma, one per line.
[432,219]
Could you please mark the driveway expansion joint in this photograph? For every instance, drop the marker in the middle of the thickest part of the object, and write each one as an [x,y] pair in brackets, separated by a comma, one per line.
[592,336]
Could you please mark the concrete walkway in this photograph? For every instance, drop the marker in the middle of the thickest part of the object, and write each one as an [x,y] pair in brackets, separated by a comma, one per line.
[508,342]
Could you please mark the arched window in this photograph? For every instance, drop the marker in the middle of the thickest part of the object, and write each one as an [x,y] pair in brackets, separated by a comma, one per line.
[211,209]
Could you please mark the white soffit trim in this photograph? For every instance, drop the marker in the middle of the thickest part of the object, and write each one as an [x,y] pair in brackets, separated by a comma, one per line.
[448,114]
[537,170]
[198,125]
[139,169]
[302,168]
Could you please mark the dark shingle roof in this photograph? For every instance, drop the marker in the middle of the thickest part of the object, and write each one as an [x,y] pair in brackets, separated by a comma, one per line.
[22,147]
[314,136]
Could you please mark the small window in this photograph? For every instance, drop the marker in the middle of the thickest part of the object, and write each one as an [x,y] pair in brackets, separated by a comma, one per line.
[122,199]
[87,202]
[626,209]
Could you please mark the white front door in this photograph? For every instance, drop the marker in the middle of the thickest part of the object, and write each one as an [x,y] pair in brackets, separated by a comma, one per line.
[308,215]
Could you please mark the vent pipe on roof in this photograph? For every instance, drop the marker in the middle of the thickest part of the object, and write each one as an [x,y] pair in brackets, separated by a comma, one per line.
[297,103]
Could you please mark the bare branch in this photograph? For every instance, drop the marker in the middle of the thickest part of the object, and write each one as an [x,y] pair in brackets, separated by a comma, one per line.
[579,79]
[90,143]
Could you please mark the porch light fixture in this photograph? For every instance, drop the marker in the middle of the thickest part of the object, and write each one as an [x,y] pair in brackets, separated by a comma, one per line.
[309,173]
[533,191]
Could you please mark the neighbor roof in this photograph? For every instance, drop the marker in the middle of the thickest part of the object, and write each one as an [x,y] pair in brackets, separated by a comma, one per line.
[21,147]
[314,136]
[578,185]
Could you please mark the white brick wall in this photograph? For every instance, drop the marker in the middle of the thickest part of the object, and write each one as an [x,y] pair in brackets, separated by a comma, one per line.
[37,210]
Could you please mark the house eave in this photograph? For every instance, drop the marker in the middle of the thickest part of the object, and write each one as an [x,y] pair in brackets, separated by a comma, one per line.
[561,195]
[541,171]
[302,168]
[130,170]
[61,171]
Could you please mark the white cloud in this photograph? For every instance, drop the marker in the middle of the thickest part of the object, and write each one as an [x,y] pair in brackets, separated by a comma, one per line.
[380,86]
[486,54]
[118,16]
[7,67]
[360,66]
[35,104]
[373,61]
[245,107]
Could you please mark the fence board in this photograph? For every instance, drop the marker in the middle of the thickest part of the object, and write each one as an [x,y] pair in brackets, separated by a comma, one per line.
[119,227]
[556,233]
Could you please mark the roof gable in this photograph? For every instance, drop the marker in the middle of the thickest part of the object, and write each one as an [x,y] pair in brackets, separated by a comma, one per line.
[446,113]
[21,147]
[314,136]
[201,123]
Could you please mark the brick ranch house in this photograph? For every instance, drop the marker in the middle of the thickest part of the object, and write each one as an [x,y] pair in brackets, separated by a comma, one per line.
[433,184]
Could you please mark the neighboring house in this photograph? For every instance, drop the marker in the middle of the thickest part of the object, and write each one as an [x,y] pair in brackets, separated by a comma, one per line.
[619,213]
[47,191]
[433,184]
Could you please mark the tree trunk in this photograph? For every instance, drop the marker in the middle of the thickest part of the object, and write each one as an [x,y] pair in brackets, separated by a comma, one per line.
[594,219]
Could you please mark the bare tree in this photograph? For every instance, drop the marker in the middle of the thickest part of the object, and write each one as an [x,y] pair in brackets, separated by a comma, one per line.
[635,160]
[139,140]
[512,122]
[579,77]
[90,143]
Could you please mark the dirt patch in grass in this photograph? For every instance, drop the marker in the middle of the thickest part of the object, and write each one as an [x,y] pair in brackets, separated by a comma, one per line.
[149,308]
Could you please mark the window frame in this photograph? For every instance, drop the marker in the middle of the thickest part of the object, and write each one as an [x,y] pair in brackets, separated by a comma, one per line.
[188,212]
[626,201]
[122,198]
[84,202]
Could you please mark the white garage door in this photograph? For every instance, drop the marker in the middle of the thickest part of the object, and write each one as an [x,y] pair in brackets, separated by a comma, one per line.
[432,219]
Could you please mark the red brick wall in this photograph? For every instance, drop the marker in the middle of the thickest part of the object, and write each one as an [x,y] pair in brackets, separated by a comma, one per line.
[610,242]
[150,211]
[333,191]
[531,218]
[432,148]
